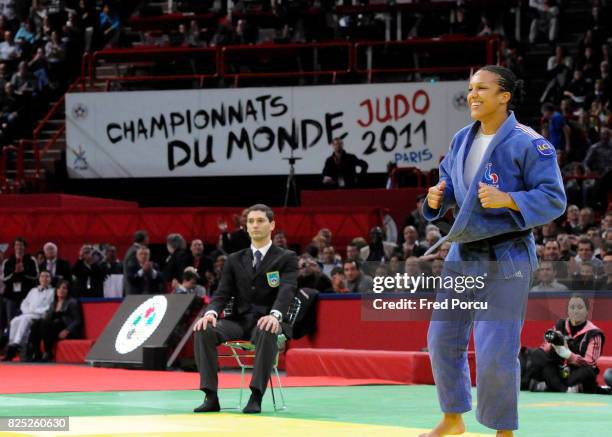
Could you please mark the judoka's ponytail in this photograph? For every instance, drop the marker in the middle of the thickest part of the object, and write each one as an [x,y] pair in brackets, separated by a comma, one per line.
[507,82]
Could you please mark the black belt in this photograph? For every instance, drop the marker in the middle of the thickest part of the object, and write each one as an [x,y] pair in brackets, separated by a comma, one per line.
[493,241]
[488,243]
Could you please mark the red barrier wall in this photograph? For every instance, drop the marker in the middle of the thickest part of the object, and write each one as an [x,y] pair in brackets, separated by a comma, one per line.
[97,315]
[71,227]
[58,201]
[345,346]
[400,202]
[340,326]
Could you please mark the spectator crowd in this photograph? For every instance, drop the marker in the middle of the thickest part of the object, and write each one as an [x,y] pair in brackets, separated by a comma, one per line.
[576,113]
[41,46]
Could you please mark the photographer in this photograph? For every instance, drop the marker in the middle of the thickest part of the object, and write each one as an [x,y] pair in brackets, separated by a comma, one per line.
[567,361]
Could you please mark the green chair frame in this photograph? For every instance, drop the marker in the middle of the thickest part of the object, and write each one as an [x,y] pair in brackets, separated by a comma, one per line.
[244,353]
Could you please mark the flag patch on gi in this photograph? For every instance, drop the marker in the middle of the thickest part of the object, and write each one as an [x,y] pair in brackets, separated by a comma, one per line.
[544,148]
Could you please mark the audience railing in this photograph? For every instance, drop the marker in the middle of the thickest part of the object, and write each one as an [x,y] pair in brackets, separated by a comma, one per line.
[286,60]
[425,56]
[235,63]
[171,21]
[154,64]
[41,147]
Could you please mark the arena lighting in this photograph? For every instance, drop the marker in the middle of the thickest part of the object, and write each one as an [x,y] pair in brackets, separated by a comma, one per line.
[144,321]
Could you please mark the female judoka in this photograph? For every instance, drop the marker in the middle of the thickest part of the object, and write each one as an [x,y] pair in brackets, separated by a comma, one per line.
[502,179]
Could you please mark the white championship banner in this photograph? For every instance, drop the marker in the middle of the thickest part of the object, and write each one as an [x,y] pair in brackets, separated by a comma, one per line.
[235,132]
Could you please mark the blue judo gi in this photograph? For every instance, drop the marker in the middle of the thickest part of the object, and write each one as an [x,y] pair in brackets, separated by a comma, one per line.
[523,164]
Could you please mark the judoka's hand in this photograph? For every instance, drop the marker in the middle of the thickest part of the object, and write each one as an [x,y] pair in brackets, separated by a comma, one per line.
[491,197]
[269,323]
[435,195]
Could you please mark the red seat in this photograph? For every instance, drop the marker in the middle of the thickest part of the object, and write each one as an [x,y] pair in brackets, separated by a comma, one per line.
[603,363]
[72,351]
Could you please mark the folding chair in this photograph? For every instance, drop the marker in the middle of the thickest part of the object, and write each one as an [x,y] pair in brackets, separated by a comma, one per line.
[244,353]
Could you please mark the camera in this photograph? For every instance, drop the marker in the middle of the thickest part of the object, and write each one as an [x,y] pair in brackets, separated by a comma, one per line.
[554,337]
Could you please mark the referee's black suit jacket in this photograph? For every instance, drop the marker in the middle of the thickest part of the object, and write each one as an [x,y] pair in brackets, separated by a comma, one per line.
[256,293]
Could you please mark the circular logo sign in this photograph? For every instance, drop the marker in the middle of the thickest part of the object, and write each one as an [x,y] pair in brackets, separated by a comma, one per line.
[460,101]
[141,324]
[79,110]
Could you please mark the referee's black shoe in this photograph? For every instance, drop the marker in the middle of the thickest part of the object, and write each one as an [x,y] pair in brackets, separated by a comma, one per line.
[254,404]
[210,405]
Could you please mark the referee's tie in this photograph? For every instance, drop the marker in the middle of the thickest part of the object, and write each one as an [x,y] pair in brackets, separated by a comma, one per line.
[257,259]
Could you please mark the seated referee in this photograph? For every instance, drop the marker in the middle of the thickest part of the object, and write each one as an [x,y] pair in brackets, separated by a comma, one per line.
[262,279]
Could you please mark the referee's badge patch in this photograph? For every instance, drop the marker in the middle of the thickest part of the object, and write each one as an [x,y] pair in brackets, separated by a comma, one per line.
[544,148]
[273,279]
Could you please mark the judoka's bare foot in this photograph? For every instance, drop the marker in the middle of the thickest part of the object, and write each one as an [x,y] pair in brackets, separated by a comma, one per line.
[451,424]
[504,434]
